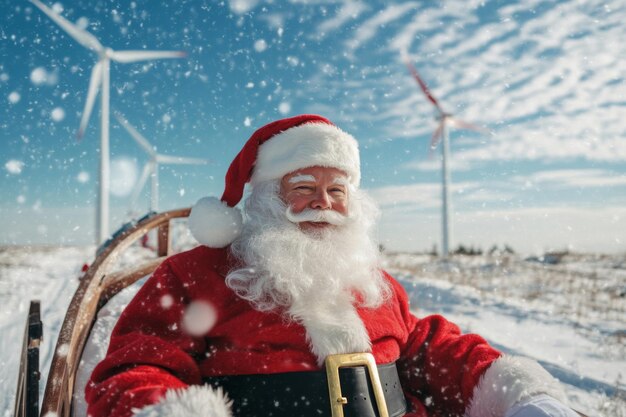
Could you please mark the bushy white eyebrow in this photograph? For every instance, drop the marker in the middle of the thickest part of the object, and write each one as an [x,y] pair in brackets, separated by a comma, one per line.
[301,177]
[341,181]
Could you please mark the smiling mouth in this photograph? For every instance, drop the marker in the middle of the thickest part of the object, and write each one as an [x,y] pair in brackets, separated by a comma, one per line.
[315,225]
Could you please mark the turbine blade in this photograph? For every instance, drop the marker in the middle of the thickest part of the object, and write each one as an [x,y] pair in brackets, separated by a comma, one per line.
[134,56]
[142,141]
[80,35]
[169,159]
[140,184]
[94,85]
[466,125]
[424,87]
[436,137]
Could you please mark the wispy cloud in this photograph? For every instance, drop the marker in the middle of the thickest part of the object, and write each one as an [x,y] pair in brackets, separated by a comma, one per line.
[368,29]
[424,195]
[577,178]
[428,195]
[348,12]
[434,164]
[553,228]
[543,76]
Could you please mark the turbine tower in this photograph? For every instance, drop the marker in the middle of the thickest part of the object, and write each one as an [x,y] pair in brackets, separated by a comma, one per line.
[100,79]
[440,134]
[151,168]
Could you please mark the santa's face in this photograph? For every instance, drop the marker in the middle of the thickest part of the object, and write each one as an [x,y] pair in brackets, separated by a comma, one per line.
[283,258]
[314,189]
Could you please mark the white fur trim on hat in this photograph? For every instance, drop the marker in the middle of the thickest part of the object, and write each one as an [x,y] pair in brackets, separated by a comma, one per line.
[509,380]
[213,223]
[195,401]
[307,145]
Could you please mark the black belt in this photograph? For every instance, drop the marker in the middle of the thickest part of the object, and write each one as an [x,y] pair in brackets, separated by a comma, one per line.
[307,394]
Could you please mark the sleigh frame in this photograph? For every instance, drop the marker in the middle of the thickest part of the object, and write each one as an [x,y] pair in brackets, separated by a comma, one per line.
[98,285]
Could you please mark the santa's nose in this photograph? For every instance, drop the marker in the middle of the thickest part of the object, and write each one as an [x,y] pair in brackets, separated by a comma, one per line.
[321,201]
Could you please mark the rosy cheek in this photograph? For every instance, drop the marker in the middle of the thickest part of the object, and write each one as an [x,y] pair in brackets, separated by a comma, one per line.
[296,203]
[341,207]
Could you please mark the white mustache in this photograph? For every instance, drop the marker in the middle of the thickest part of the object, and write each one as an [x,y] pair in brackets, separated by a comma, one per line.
[317,216]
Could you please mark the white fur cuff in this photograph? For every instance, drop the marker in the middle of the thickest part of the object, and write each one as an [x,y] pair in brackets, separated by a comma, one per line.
[507,381]
[195,401]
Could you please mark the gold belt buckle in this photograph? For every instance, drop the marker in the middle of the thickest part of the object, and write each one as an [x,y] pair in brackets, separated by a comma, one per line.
[345,360]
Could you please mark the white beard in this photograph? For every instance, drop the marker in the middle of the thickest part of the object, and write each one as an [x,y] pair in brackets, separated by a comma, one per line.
[314,276]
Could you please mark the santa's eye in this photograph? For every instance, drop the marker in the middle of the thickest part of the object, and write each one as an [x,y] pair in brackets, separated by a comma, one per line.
[303,187]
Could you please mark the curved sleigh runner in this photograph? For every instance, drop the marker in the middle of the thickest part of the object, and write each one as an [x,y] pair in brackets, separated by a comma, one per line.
[97,286]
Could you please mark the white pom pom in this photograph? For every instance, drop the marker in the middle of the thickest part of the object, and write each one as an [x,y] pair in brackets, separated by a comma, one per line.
[213,223]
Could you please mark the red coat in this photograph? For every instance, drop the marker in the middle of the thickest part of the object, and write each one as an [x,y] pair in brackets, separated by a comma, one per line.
[149,353]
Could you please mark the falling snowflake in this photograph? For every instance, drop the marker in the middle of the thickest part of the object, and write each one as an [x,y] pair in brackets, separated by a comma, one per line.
[82,177]
[63,350]
[242,6]
[260,45]
[38,76]
[124,174]
[14,97]
[167,301]
[82,22]
[57,114]
[199,318]
[284,107]
[14,166]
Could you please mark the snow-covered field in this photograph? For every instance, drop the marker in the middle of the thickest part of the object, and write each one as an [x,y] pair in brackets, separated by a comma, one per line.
[568,312]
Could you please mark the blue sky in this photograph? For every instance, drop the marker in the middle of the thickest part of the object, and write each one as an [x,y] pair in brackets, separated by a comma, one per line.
[545,77]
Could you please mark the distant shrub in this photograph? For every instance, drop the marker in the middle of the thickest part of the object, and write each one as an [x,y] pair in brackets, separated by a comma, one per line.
[470,251]
[496,250]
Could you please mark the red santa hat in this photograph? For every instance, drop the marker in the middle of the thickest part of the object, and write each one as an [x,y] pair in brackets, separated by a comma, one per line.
[273,151]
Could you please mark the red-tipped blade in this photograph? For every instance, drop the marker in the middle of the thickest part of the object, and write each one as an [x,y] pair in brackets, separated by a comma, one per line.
[436,138]
[424,87]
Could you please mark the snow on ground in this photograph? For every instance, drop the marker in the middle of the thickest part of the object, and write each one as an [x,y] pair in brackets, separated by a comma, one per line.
[566,311]
[47,274]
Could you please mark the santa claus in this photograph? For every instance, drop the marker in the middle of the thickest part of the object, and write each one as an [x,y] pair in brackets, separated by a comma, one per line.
[289,313]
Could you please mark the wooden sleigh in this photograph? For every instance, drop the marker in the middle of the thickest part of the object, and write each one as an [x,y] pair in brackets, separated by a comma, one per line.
[97,286]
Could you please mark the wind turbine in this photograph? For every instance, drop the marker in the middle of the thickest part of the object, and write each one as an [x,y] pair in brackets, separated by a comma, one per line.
[441,134]
[100,79]
[151,168]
